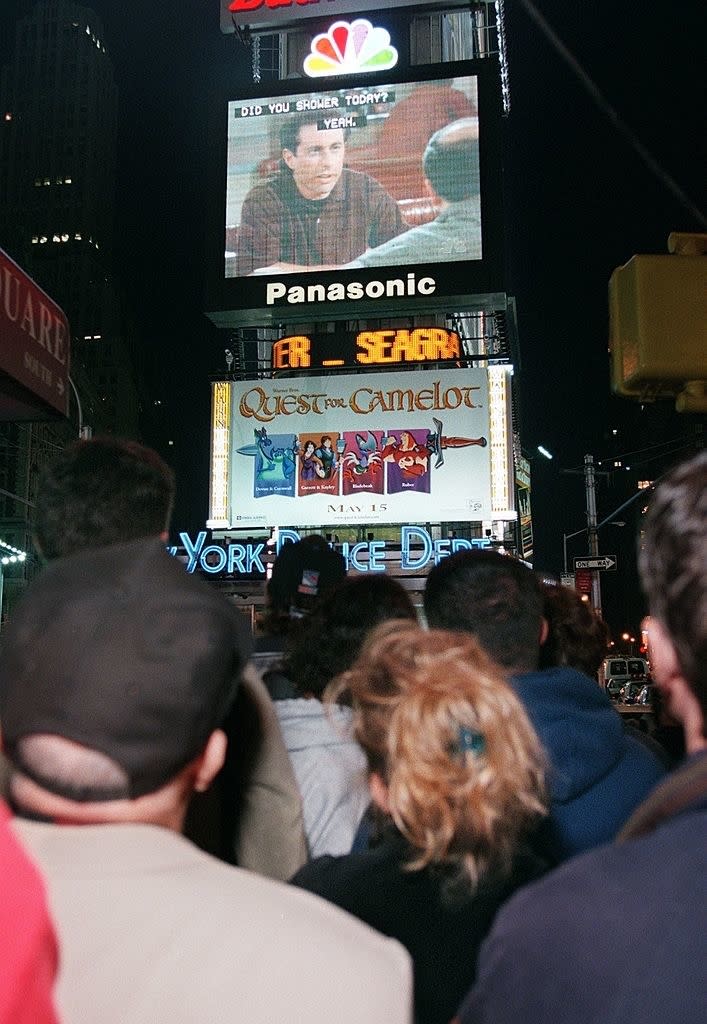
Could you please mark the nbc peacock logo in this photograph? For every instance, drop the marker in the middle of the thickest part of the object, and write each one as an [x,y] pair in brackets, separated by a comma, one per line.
[350,48]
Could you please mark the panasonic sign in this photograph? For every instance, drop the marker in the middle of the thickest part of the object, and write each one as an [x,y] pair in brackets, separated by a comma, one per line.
[278,293]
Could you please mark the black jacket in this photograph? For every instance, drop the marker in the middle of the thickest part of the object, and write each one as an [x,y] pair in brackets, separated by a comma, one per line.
[439,923]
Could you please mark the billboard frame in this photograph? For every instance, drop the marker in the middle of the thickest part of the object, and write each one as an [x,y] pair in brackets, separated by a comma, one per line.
[466,284]
[277,404]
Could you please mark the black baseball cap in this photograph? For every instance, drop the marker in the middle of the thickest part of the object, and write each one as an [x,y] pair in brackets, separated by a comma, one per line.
[119,649]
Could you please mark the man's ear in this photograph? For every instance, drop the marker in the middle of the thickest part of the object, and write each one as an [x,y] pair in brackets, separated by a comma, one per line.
[288,156]
[210,762]
[429,191]
[664,660]
[544,631]
[680,699]
[379,792]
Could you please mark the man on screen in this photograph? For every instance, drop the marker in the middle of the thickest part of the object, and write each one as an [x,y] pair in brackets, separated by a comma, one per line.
[451,167]
[314,212]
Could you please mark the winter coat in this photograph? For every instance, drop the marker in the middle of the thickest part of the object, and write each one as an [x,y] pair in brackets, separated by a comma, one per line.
[599,771]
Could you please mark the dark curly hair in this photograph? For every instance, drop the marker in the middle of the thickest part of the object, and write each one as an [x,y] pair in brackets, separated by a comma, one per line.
[99,492]
[335,632]
[577,636]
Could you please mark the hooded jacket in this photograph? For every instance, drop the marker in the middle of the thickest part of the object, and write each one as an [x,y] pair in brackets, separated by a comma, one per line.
[599,771]
[330,769]
[622,927]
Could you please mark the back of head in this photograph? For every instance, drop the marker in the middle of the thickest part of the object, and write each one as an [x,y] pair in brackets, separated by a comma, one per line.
[463,766]
[102,491]
[673,567]
[303,574]
[121,652]
[495,598]
[336,631]
[577,636]
[451,160]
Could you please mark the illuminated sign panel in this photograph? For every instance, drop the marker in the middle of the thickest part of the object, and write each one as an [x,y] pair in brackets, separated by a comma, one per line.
[367,348]
[34,348]
[415,551]
[350,49]
[325,203]
[274,14]
[379,448]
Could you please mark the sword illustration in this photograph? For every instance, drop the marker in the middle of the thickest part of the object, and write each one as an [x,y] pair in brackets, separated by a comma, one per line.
[437,442]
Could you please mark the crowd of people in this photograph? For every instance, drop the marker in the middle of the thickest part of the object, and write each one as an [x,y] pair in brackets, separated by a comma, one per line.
[365,813]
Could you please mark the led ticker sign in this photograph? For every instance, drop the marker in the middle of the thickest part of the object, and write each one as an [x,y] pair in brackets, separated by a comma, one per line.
[274,14]
[367,348]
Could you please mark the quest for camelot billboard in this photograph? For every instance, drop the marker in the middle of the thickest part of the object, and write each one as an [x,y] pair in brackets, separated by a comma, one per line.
[372,448]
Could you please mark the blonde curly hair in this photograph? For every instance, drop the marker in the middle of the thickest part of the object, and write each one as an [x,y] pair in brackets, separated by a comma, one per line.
[464,768]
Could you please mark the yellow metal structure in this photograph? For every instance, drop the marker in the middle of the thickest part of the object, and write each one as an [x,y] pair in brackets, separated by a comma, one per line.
[658,325]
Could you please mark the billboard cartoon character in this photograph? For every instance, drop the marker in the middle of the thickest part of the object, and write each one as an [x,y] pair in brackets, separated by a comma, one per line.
[362,463]
[408,461]
[274,470]
[318,465]
[310,465]
[327,457]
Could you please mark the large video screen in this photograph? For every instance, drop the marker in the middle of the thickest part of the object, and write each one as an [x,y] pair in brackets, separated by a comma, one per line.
[354,177]
[349,195]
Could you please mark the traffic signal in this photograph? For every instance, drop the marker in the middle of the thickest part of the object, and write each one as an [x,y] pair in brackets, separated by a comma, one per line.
[657,317]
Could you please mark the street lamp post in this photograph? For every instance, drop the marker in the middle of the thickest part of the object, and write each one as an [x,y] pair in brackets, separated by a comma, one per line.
[565,538]
[593,527]
[569,536]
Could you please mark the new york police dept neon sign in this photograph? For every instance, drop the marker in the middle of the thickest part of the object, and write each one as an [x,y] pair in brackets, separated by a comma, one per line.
[417,549]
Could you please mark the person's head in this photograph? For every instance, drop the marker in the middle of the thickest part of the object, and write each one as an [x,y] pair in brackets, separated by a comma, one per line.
[308,448]
[452,757]
[314,155]
[102,491]
[673,567]
[326,442]
[493,597]
[117,671]
[337,629]
[303,574]
[451,160]
[577,636]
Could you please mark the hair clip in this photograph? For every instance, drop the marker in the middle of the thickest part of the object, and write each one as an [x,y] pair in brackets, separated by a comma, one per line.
[470,741]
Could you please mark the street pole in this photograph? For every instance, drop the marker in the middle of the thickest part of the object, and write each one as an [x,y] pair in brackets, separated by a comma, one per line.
[565,538]
[589,482]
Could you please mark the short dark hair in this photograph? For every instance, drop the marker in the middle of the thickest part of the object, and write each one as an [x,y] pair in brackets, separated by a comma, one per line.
[289,132]
[577,636]
[493,597]
[337,629]
[451,160]
[99,492]
[673,567]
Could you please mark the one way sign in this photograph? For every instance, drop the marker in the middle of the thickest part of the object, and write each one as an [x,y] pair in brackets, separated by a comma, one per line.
[596,562]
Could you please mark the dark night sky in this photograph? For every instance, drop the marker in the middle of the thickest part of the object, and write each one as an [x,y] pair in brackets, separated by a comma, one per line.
[580,202]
